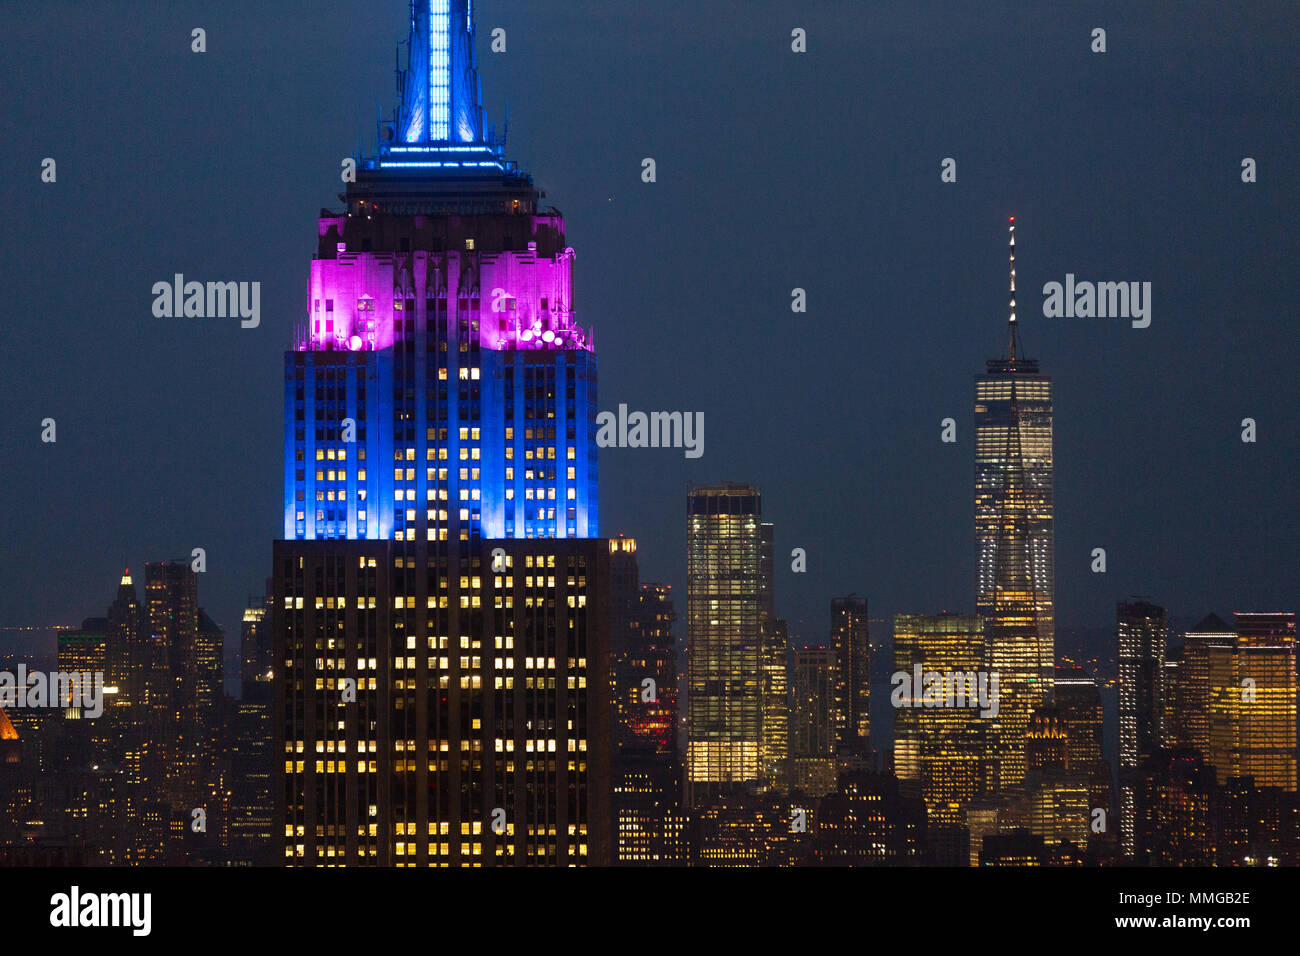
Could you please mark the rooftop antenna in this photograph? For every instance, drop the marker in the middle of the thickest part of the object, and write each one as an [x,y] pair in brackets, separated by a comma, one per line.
[1011,322]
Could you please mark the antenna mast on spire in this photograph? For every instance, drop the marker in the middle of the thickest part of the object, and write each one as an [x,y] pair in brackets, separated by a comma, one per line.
[1011,322]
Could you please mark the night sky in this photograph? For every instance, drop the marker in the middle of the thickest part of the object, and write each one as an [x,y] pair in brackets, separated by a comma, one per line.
[775,170]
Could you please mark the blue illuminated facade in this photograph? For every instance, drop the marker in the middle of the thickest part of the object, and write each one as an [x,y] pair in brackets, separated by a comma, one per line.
[441,389]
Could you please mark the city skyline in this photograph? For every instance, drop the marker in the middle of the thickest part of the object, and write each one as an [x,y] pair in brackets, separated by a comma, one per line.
[456,649]
[1172,415]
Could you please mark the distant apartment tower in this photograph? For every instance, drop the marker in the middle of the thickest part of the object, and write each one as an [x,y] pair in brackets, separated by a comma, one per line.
[1234,697]
[124,643]
[1176,822]
[171,645]
[1266,678]
[655,722]
[648,825]
[774,750]
[625,689]
[774,753]
[255,640]
[250,747]
[1078,707]
[1014,536]
[141,712]
[83,653]
[1186,710]
[209,681]
[812,720]
[851,641]
[1141,632]
[725,633]
[940,737]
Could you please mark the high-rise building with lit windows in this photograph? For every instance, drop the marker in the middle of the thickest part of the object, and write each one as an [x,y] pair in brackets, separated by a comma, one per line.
[851,639]
[170,643]
[656,720]
[440,640]
[725,605]
[1185,714]
[812,720]
[82,654]
[774,750]
[1014,535]
[940,738]
[1141,630]
[1233,700]
[774,755]
[1266,713]
[648,824]
[1078,707]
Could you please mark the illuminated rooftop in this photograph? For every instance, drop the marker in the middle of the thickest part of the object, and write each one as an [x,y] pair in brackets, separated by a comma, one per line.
[7,731]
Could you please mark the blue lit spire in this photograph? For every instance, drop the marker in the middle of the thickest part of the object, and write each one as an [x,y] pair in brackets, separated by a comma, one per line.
[441,95]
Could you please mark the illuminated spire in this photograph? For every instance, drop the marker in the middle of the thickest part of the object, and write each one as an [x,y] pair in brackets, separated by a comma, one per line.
[440,89]
[1011,322]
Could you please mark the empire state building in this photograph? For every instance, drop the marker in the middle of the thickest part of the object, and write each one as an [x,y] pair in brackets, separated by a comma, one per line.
[440,615]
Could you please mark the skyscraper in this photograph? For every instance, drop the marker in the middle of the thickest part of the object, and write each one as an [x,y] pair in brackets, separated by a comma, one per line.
[1078,706]
[647,819]
[124,643]
[255,642]
[656,720]
[941,739]
[1266,684]
[1141,632]
[441,618]
[252,760]
[851,639]
[1187,701]
[774,750]
[725,615]
[812,720]
[171,674]
[1014,535]
[141,712]
[1234,699]
[82,654]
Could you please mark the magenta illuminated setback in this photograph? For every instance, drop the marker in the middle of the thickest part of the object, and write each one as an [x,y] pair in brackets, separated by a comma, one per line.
[359,300]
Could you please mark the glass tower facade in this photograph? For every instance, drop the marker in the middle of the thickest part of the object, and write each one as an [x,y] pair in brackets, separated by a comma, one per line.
[725,620]
[942,747]
[1141,634]
[1014,537]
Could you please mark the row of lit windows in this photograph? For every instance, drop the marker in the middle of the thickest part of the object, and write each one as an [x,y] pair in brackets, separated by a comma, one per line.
[330,683]
[331,603]
[330,663]
[334,766]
